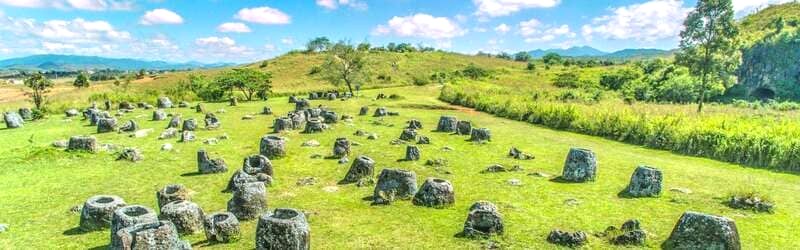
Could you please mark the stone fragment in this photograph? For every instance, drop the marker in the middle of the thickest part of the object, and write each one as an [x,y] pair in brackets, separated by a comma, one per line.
[518,154]
[412,153]
[362,167]
[302,104]
[310,143]
[25,113]
[483,220]
[154,235]
[423,140]
[130,154]
[380,112]
[481,135]
[414,124]
[159,115]
[175,122]
[568,239]
[408,135]
[105,125]
[189,125]
[164,102]
[129,126]
[185,215]
[341,148]
[211,121]
[187,136]
[363,111]
[71,113]
[266,111]
[206,165]
[168,133]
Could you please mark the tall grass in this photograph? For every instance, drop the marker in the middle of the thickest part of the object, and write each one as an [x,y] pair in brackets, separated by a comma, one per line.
[758,141]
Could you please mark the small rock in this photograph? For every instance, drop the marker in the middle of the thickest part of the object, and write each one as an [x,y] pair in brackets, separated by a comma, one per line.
[166,147]
[141,133]
[310,143]
[515,182]
[681,190]
[211,141]
[447,149]
[3,227]
[248,117]
[569,239]
[61,144]
[330,189]
[372,136]
[572,202]
[496,168]
[306,181]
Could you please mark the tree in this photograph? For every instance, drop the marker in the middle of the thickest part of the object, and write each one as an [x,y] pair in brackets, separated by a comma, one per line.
[345,64]
[82,81]
[522,56]
[620,78]
[504,55]
[39,85]
[531,66]
[708,44]
[364,46]
[566,79]
[264,64]
[551,59]
[141,74]
[249,81]
[318,44]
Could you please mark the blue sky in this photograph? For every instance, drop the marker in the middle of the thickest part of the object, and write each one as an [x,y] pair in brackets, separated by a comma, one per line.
[250,30]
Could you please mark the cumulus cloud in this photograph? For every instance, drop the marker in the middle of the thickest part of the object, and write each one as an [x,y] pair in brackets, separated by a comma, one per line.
[221,47]
[502,28]
[263,15]
[92,5]
[334,4]
[161,16]
[233,27]
[745,7]
[497,8]
[64,31]
[422,26]
[534,31]
[648,21]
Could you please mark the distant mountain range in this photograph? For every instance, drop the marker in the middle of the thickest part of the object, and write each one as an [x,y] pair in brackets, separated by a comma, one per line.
[74,63]
[589,52]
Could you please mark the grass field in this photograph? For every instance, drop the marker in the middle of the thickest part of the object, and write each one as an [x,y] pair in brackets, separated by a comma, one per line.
[39,184]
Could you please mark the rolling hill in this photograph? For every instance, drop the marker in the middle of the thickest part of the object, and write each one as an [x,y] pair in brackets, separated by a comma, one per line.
[589,52]
[73,62]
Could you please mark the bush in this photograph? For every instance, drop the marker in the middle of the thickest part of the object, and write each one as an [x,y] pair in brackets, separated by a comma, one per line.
[618,79]
[566,80]
[420,81]
[474,72]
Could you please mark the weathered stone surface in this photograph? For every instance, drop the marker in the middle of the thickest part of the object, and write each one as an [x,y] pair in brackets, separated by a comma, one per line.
[314,125]
[284,228]
[630,234]
[83,143]
[310,143]
[423,140]
[341,147]
[211,121]
[164,102]
[154,235]
[645,182]
[159,115]
[172,192]
[380,112]
[282,124]
[199,108]
[175,122]
[751,202]
[331,96]
[302,104]
[256,164]
[25,113]
[298,119]
[240,177]
[189,125]
[128,216]
[168,133]
[187,136]
[233,101]
[71,113]
[408,135]
[363,167]
[60,144]
[519,155]
[363,111]
[412,153]
[483,220]
[206,165]
[330,117]
[105,125]
[248,201]
[435,192]
[414,124]
[292,99]
[447,124]
[222,227]
[480,135]
[130,154]
[394,184]
[126,105]
[185,215]
[183,104]
[703,231]
[266,111]
[273,146]
[166,147]
[97,212]
[97,115]
[129,126]
[580,166]
[569,239]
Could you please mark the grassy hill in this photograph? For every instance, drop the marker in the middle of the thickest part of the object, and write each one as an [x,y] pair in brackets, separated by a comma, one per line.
[754,27]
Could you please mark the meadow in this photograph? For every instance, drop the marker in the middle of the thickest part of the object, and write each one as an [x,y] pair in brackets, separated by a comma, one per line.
[40,184]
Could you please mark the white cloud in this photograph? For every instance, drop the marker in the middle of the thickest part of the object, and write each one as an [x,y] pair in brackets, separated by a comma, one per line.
[92,5]
[496,8]
[334,4]
[161,16]
[263,15]
[745,7]
[648,21]
[221,47]
[480,29]
[534,31]
[420,25]
[215,41]
[233,27]
[287,41]
[502,28]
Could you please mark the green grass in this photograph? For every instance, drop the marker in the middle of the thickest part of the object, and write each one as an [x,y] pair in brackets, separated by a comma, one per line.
[40,184]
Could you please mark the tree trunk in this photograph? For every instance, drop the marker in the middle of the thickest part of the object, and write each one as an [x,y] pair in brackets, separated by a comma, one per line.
[350,87]
[701,99]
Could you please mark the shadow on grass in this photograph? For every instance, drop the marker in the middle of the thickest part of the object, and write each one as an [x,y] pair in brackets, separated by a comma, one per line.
[74,231]
[190,174]
[560,179]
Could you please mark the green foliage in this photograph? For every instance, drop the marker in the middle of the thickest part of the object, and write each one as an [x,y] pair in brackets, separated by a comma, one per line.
[552,59]
[522,56]
[566,79]
[40,86]
[318,44]
[264,64]
[618,79]
[531,66]
[440,77]
[81,81]
[474,72]
[248,81]
[210,91]
[421,80]
[345,64]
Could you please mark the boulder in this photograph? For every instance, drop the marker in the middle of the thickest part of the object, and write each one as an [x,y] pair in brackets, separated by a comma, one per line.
[97,212]
[96,116]
[519,155]
[480,135]
[60,144]
[222,227]
[183,104]
[105,125]
[240,177]
[272,146]
[185,215]
[159,115]
[330,117]
[266,111]
[412,153]
[26,113]
[211,121]
[298,119]
[423,140]
[414,124]
[436,193]
[189,125]
[168,133]
[314,125]
[483,220]
[363,167]
[331,96]
[284,228]
[645,182]
[187,136]
[580,166]
[164,102]
[568,239]
[341,148]
[703,231]
[380,112]
[256,164]
[175,122]
[248,201]
[630,234]
[71,113]
[394,184]
[153,235]
[282,124]
[363,111]
[302,104]
[130,154]
[126,105]
[205,165]
[83,143]
[129,126]
[447,124]
[128,216]
[199,108]
[172,192]
[408,135]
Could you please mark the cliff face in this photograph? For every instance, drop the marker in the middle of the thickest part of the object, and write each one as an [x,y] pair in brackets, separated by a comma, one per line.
[771,67]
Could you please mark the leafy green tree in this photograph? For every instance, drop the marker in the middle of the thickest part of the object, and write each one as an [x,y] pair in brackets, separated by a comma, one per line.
[39,85]
[249,81]
[474,72]
[345,64]
[522,56]
[82,81]
[708,45]
[364,46]
[440,77]
[566,79]
[504,55]
[551,59]
[318,44]
[264,64]
[531,66]
[619,78]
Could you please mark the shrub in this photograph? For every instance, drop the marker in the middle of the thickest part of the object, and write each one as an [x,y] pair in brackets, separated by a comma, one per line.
[420,81]
[474,72]
[620,78]
[566,80]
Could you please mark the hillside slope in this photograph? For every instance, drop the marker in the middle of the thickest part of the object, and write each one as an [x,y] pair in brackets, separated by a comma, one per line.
[754,27]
